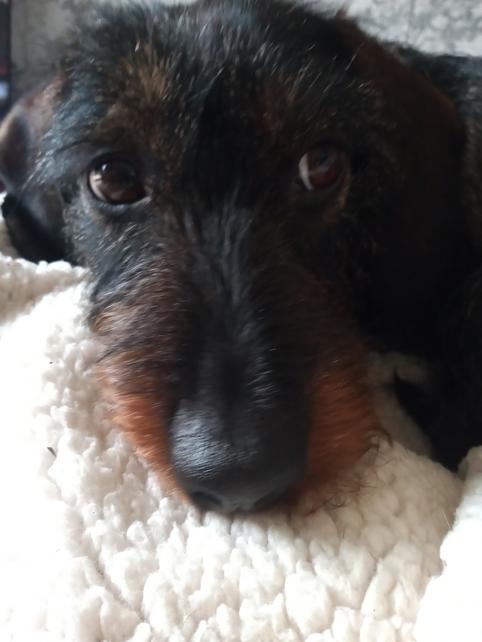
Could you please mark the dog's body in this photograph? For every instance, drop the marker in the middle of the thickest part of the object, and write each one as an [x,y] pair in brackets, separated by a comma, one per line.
[262,194]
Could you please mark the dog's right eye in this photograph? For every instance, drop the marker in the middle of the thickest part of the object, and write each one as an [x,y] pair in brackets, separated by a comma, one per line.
[322,168]
[116,181]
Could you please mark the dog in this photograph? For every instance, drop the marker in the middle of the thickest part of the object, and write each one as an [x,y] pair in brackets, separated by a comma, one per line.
[263,194]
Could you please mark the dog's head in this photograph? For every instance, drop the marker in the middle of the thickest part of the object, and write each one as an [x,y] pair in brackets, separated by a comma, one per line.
[245,180]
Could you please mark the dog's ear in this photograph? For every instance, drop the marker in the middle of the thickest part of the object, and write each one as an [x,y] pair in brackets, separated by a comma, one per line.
[460,77]
[422,241]
[32,208]
[422,112]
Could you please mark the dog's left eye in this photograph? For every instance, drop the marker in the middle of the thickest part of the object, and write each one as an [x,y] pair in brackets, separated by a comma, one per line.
[322,168]
[116,181]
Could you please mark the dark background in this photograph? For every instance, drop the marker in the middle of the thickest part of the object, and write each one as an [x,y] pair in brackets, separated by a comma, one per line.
[4,56]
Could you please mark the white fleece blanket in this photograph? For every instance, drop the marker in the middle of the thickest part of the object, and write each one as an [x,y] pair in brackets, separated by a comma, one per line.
[91,549]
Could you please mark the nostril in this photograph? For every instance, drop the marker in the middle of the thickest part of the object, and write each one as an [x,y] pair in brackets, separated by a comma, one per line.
[205,501]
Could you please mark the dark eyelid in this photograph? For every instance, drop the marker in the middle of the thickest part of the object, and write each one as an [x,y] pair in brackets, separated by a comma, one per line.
[121,212]
[87,153]
[112,155]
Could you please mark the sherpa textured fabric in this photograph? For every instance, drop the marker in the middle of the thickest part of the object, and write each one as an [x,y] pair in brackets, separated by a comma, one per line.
[91,549]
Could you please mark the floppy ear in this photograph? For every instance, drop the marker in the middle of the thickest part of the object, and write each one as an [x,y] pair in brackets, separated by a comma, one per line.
[32,209]
[460,78]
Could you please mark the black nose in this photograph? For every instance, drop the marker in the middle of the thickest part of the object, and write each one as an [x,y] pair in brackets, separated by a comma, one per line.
[238,488]
[235,485]
[220,474]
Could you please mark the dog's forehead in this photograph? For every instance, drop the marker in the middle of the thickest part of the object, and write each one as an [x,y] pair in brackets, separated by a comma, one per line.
[161,68]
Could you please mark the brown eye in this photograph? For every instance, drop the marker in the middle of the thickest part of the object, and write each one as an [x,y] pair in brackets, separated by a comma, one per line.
[322,168]
[116,181]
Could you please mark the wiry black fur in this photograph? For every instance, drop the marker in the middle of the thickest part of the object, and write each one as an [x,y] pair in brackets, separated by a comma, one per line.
[226,240]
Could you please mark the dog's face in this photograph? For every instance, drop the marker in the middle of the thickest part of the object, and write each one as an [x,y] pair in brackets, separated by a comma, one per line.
[224,169]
